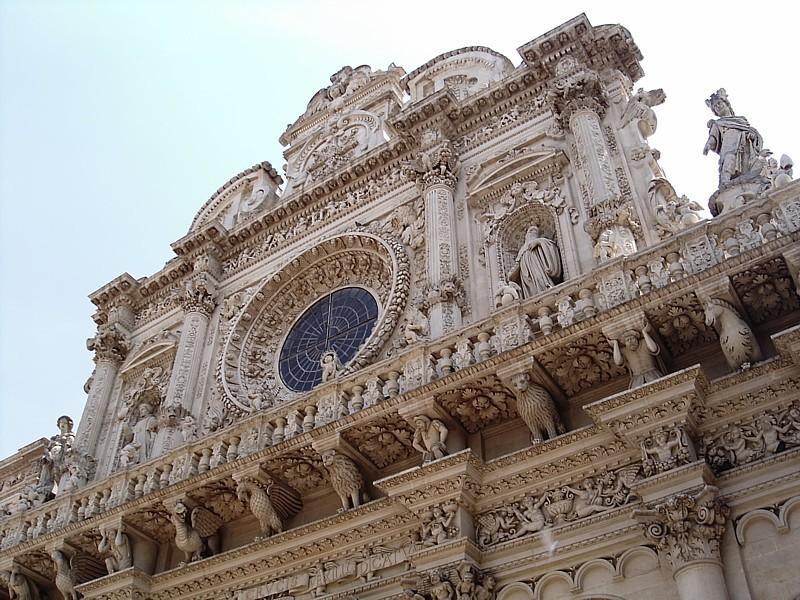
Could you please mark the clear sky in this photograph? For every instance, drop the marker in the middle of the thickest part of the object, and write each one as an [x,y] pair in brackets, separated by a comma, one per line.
[119,119]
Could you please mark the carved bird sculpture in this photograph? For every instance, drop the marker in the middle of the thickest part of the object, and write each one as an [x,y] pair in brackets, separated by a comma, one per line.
[739,345]
[271,503]
[195,534]
[65,579]
[19,588]
[346,479]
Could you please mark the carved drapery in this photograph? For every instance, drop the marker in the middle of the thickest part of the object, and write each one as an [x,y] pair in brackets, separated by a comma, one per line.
[247,372]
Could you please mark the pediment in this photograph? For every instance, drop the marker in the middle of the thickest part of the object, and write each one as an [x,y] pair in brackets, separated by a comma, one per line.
[497,174]
[151,351]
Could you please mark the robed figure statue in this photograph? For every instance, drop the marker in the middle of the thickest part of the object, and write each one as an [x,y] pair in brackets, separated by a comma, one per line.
[538,264]
[734,139]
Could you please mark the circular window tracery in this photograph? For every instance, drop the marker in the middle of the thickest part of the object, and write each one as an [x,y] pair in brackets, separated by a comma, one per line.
[340,322]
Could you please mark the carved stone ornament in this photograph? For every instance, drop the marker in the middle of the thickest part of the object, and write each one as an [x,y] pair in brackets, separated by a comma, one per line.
[109,343]
[195,531]
[666,449]
[479,404]
[594,494]
[536,407]
[438,524]
[765,435]
[436,167]
[346,479]
[687,527]
[271,502]
[739,344]
[248,363]
[575,88]
[639,110]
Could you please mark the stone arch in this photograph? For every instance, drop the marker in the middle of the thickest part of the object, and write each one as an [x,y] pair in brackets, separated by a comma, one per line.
[591,566]
[247,373]
[628,561]
[510,234]
[556,584]
[516,591]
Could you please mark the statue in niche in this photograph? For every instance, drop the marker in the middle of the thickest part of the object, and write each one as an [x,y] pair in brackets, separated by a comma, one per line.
[537,265]
[138,440]
[639,358]
[737,143]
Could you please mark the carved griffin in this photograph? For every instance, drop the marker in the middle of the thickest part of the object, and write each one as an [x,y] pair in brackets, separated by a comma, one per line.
[537,409]
[195,534]
[346,479]
[271,503]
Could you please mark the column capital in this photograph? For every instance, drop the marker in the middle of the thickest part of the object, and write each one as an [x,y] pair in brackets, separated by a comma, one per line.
[575,89]
[110,343]
[199,294]
[437,167]
[687,528]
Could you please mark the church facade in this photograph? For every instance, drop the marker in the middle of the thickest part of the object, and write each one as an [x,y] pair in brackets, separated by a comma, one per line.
[471,345]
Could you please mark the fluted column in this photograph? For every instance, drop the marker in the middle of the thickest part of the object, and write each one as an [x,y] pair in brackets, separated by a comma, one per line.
[110,347]
[688,531]
[199,300]
[437,182]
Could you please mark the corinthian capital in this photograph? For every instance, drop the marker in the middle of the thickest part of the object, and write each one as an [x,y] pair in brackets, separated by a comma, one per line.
[685,527]
[575,88]
[199,294]
[109,343]
[439,166]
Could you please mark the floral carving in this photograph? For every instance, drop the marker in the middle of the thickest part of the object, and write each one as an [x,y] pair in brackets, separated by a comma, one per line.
[301,470]
[766,290]
[681,324]
[384,442]
[480,404]
[582,363]
[109,343]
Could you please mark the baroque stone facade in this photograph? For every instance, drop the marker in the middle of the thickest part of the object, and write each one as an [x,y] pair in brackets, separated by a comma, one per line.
[471,345]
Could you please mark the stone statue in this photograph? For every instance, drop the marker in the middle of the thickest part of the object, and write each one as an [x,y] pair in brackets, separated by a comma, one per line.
[531,517]
[138,440]
[536,407]
[345,477]
[438,527]
[665,450]
[115,544]
[429,438]
[538,263]
[640,359]
[270,503]
[330,365]
[617,240]
[640,109]
[672,213]
[507,294]
[735,140]
[65,579]
[19,587]
[196,533]
[739,344]
[441,589]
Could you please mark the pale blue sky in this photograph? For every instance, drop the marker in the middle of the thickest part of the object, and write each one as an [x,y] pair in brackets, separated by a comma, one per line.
[119,119]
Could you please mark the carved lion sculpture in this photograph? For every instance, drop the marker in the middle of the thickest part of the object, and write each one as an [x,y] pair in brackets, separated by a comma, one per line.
[537,409]
[346,479]
[271,503]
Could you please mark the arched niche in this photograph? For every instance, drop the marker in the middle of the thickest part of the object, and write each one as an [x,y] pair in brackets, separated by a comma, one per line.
[248,372]
[515,591]
[510,234]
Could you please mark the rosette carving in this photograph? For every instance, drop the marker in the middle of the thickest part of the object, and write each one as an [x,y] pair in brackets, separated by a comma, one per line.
[248,363]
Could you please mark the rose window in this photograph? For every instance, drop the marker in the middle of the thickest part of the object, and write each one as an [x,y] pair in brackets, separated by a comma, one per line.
[340,322]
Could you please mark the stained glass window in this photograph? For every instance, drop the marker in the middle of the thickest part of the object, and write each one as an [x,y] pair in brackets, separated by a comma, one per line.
[341,322]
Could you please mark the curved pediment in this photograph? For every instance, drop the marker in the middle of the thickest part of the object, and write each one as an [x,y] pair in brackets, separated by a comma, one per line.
[252,191]
[151,351]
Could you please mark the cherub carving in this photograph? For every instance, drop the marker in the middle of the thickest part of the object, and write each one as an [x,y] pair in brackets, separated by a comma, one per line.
[345,477]
[531,517]
[330,365]
[664,450]
[429,438]
[195,533]
[438,528]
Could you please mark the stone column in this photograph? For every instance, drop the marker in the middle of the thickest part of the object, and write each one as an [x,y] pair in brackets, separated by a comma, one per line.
[437,182]
[110,347]
[688,531]
[591,144]
[198,304]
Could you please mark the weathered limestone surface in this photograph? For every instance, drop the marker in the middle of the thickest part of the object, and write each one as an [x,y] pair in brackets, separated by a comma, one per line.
[472,344]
